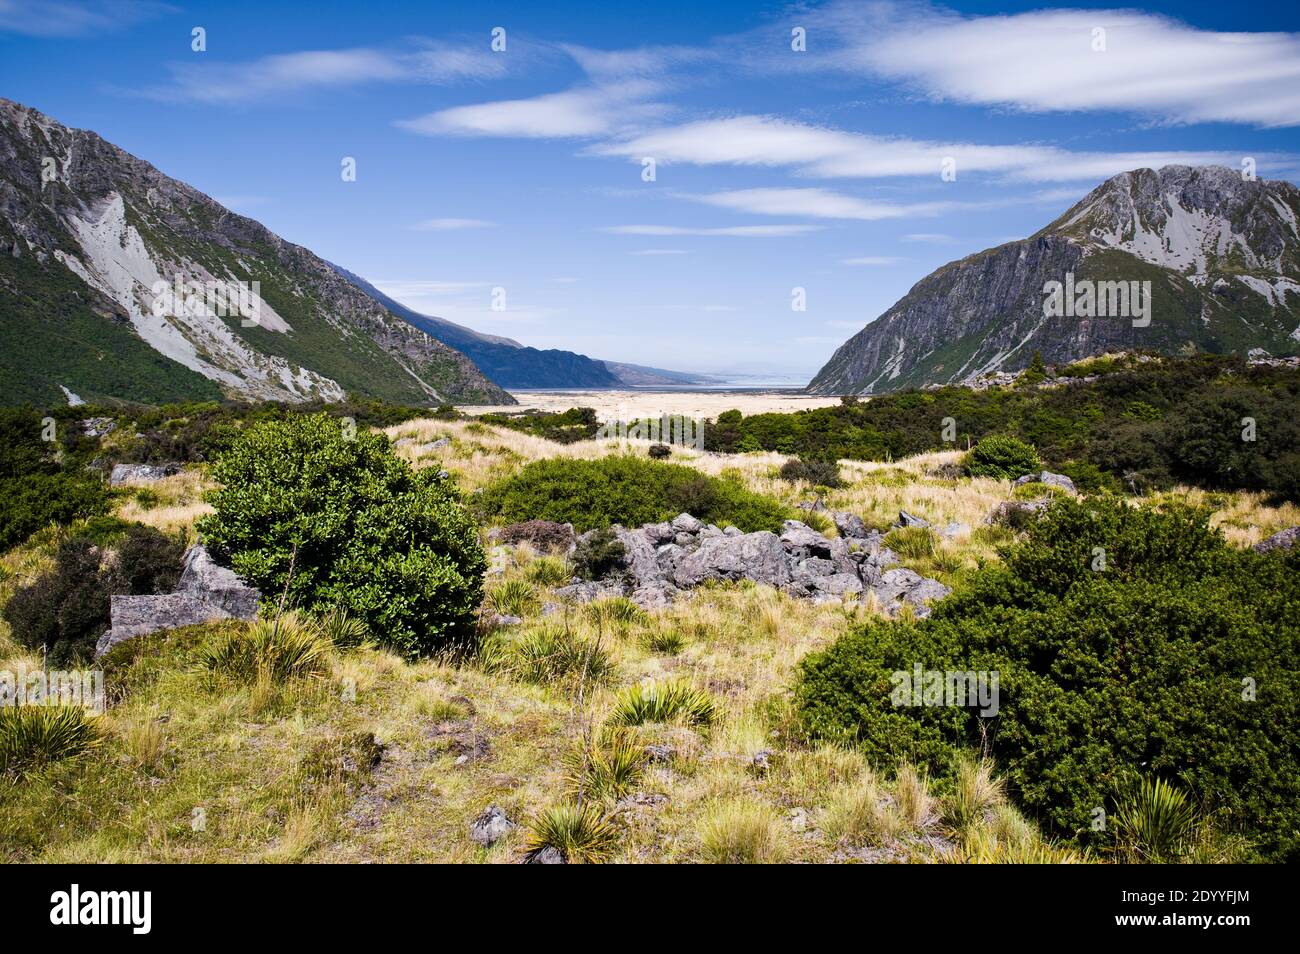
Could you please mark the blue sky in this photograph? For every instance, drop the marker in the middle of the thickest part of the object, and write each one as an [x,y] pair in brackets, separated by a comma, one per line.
[775,169]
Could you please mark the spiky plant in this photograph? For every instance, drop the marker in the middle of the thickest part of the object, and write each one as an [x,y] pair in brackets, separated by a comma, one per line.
[605,766]
[32,737]
[277,650]
[669,701]
[343,629]
[513,598]
[549,571]
[556,656]
[618,612]
[667,642]
[1155,822]
[578,832]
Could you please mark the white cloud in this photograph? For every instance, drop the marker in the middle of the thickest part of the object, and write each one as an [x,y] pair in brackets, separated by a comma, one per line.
[282,74]
[741,231]
[51,18]
[577,113]
[881,261]
[817,203]
[823,152]
[1045,60]
[451,225]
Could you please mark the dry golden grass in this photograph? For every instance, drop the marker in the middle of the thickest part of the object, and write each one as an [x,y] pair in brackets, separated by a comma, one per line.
[170,504]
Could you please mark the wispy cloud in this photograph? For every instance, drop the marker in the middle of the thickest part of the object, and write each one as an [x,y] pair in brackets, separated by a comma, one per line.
[739,231]
[1059,60]
[879,261]
[225,83]
[63,18]
[451,225]
[577,113]
[817,203]
[824,152]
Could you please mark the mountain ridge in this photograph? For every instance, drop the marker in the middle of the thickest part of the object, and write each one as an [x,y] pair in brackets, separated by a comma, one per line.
[1222,255]
[90,234]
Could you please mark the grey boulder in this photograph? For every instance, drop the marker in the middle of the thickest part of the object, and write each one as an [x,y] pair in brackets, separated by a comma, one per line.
[490,826]
[755,556]
[1282,540]
[141,473]
[1046,477]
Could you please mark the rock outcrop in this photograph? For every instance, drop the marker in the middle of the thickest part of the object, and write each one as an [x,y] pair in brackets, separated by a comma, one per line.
[141,473]
[207,591]
[662,560]
[1282,540]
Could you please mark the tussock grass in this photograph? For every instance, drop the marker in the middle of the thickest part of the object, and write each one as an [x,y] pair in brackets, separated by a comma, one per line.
[669,701]
[268,652]
[34,737]
[743,832]
[579,832]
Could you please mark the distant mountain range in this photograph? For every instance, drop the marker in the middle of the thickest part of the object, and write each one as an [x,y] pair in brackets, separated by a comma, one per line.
[119,283]
[1221,254]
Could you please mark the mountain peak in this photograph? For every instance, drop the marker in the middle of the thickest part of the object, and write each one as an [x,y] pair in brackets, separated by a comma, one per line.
[1219,253]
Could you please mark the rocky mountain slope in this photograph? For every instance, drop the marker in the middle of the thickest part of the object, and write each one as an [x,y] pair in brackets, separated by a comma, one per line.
[1222,255]
[514,365]
[118,282]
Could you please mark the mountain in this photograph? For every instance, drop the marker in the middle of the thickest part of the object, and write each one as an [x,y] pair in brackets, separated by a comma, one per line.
[514,365]
[1222,256]
[504,360]
[97,253]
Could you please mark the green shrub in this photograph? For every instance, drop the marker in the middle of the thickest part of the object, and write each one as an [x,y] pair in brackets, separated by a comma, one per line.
[669,701]
[33,501]
[1006,458]
[1179,656]
[32,737]
[66,609]
[598,555]
[627,490]
[819,473]
[359,528]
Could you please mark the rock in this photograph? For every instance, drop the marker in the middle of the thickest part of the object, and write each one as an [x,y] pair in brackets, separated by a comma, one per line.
[1046,477]
[1282,540]
[906,519]
[98,426]
[756,556]
[799,820]
[849,524]
[954,529]
[837,584]
[668,556]
[802,539]
[585,591]
[812,506]
[141,473]
[762,761]
[490,826]
[685,523]
[140,615]
[812,567]
[685,539]
[1015,513]
[501,620]
[659,754]
[203,577]
[549,609]
[439,443]
[654,595]
[733,531]
[547,856]
[403,441]
[443,474]
[710,531]
[903,585]
[659,533]
[639,556]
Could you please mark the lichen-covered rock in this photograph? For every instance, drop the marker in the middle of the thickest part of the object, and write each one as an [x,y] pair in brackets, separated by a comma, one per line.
[1046,477]
[849,524]
[490,826]
[755,556]
[906,519]
[141,473]
[140,615]
[685,523]
[1282,540]
[203,577]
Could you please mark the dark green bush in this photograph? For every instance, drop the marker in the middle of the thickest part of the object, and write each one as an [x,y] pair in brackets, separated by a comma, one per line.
[627,490]
[361,529]
[821,473]
[66,609]
[1005,458]
[36,500]
[597,555]
[1150,662]
[660,451]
